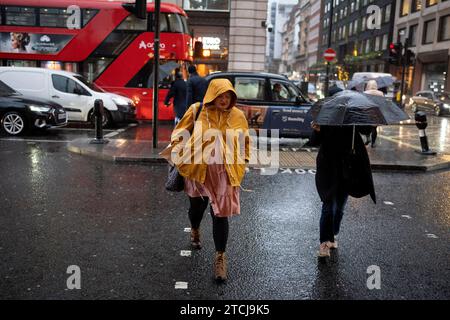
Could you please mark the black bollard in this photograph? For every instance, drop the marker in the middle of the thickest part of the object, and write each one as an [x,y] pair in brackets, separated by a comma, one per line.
[421,123]
[98,114]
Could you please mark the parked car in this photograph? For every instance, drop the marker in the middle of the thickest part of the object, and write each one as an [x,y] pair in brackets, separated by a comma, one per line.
[75,93]
[270,101]
[19,113]
[438,103]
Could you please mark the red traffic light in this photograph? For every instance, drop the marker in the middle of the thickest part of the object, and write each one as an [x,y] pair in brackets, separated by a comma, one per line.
[392,46]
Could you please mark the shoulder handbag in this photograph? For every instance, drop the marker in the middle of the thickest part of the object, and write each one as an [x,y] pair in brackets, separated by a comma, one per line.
[175,181]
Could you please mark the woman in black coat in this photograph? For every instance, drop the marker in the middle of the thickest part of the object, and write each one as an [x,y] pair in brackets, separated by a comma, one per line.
[343,169]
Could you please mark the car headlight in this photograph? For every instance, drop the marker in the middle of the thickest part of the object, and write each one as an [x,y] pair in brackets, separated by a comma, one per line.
[39,108]
[446,106]
[120,101]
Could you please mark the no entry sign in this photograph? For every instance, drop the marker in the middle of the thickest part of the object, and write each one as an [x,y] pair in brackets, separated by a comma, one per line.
[329,54]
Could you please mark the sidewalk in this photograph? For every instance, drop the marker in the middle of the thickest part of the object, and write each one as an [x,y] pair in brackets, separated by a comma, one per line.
[388,155]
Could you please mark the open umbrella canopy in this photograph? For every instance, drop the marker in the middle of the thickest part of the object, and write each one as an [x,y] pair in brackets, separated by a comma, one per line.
[165,70]
[355,108]
[360,83]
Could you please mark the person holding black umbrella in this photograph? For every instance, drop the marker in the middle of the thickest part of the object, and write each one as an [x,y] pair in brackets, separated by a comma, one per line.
[334,180]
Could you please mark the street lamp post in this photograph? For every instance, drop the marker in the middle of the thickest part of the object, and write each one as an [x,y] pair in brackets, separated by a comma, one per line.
[156,73]
[327,76]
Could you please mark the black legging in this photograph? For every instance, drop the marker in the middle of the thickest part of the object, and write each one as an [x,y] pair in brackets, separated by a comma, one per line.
[220,225]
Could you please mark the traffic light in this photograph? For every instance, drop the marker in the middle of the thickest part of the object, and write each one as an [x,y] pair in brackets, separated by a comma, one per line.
[395,53]
[139,8]
[410,58]
[198,49]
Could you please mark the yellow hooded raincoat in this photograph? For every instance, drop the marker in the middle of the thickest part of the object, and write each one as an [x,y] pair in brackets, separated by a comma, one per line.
[212,124]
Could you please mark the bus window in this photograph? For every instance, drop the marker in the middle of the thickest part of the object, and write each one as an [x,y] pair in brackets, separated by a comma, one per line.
[88,14]
[20,16]
[53,17]
[163,25]
[175,23]
[133,23]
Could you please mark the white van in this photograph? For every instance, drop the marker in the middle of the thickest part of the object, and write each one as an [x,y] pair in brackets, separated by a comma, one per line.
[70,90]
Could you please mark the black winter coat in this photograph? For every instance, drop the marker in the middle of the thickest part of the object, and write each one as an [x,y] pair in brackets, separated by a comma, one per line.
[337,168]
[178,93]
[196,89]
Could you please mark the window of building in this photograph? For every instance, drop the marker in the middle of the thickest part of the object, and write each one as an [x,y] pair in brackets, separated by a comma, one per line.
[413,35]
[20,16]
[429,31]
[350,29]
[444,28]
[384,45]
[357,5]
[364,23]
[352,7]
[368,46]
[387,13]
[404,7]
[377,43]
[416,5]
[431,2]
[207,5]
[401,36]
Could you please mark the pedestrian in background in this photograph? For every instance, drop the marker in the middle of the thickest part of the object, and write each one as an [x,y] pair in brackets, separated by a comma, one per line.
[372,88]
[196,87]
[214,180]
[331,181]
[178,93]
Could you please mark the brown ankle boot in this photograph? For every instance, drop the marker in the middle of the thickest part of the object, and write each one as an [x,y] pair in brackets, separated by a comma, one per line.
[220,266]
[195,238]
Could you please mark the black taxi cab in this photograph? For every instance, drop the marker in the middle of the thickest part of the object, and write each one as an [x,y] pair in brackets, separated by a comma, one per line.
[270,102]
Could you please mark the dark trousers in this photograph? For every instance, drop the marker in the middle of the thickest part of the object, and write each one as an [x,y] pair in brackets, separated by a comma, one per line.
[332,213]
[220,225]
[374,135]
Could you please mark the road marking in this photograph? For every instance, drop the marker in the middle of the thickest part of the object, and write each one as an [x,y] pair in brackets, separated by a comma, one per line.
[432,236]
[187,229]
[400,142]
[388,203]
[34,140]
[181,285]
[132,125]
[185,253]
[406,216]
[112,134]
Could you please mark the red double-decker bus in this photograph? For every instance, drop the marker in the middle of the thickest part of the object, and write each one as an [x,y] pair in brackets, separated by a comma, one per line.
[98,39]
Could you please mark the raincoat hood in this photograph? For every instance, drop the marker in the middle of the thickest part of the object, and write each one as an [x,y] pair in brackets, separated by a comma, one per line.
[216,88]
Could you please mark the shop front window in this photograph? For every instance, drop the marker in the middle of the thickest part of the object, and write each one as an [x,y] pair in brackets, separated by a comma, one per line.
[435,76]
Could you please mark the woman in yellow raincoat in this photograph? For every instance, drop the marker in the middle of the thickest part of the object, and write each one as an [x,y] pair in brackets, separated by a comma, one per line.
[213,161]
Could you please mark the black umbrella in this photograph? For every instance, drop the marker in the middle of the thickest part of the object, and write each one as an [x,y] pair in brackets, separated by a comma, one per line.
[355,108]
[165,70]
[384,82]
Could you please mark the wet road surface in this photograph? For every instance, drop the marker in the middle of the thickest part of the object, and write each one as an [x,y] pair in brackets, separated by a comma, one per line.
[126,234]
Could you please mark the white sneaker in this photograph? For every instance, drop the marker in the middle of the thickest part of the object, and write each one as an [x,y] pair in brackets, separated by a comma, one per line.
[324,250]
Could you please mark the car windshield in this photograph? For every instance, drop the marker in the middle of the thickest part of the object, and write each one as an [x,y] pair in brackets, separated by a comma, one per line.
[443,96]
[5,90]
[89,84]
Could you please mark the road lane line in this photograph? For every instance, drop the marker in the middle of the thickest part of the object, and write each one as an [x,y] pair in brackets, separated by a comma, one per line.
[181,285]
[112,134]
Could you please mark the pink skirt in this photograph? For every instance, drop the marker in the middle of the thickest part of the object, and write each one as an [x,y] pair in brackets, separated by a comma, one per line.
[223,196]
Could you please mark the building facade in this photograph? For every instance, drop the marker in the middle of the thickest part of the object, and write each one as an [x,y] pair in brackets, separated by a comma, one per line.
[361,33]
[279,12]
[425,25]
[232,33]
